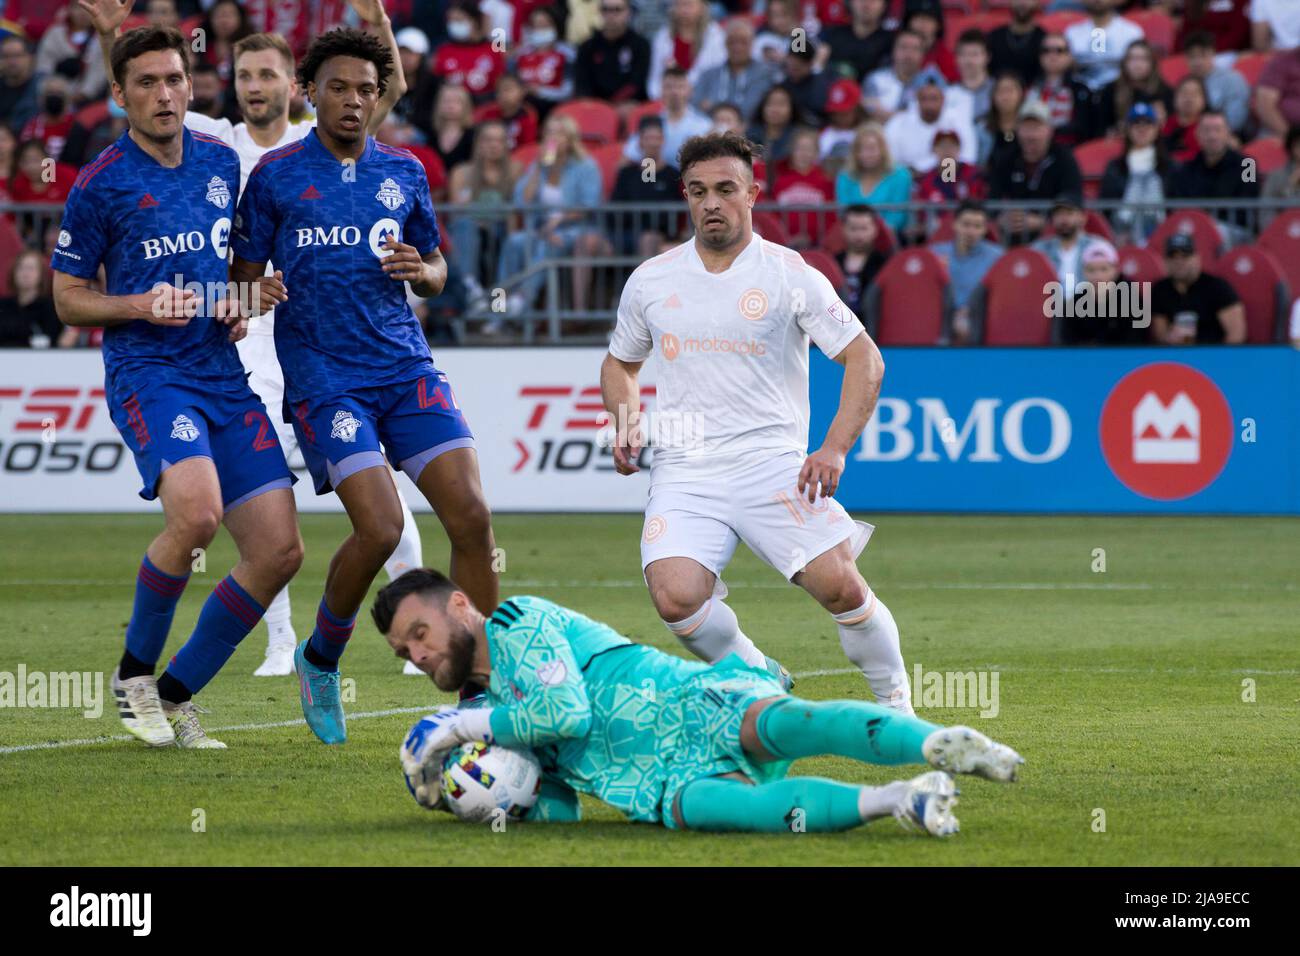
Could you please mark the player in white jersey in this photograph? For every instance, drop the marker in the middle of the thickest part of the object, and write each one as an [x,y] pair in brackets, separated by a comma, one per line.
[728,316]
[264,84]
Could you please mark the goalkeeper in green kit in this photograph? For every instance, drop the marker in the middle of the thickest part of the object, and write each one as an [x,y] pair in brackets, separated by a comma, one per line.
[663,740]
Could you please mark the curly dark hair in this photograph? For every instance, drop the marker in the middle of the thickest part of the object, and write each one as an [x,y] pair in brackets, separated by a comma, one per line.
[346,42]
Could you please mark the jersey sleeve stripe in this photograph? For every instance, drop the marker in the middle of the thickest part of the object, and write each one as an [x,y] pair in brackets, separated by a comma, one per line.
[397,151]
[209,138]
[107,158]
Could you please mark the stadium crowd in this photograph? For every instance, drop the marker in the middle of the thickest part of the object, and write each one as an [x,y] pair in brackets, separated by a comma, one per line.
[951,153]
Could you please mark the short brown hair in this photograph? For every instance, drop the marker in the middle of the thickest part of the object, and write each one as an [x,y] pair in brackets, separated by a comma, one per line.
[699,149]
[257,42]
[144,40]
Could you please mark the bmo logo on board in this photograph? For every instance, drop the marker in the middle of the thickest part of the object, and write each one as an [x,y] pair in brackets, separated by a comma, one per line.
[1166,431]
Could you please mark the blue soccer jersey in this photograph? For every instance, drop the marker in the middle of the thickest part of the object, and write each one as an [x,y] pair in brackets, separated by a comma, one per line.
[346,324]
[149,224]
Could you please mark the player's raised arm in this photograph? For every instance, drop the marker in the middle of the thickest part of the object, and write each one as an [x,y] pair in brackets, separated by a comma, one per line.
[107,17]
[373,13]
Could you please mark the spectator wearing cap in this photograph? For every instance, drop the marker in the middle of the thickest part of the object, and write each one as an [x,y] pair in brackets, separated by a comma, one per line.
[614,63]
[808,88]
[1275,24]
[860,260]
[681,120]
[1190,306]
[1139,177]
[741,80]
[1217,172]
[1014,46]
[1277,95]
[1179,130]
[973,92]
[416,104]
[1100,41]
[950,182]
[467,58]
[1072,105]
[891,89]
[803,183]
[1106,305]
[859,46]
[1064,247]
[1284,182]
[911,132]
[844,111]
[1225,22]
[690,41]
[19,84]
[969,256]
[871,177]
[1138,82]
[1038,170]
[1226,90]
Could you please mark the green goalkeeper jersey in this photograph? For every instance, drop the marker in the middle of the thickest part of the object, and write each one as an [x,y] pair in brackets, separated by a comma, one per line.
[624,722]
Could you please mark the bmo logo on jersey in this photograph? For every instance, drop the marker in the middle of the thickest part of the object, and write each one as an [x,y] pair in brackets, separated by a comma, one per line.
[351,236]
[217,239]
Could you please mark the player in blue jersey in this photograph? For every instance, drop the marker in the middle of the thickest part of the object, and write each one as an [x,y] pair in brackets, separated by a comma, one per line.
[154,211]
[663,740]
[349,223]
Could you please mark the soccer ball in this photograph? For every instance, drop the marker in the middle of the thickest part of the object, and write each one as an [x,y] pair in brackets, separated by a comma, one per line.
[479,779]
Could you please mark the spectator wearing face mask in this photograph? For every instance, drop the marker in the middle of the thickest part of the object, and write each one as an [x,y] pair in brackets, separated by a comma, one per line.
[468,58]
[69,48]
[543,63]
[50,127]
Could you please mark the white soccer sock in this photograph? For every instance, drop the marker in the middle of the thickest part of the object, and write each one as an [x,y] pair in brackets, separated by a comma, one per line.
[876,802]
[407,555]
[869,637]
[713,632]
[279,621]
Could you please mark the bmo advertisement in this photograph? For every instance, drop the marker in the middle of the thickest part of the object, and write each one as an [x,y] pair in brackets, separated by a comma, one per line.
[1197,431]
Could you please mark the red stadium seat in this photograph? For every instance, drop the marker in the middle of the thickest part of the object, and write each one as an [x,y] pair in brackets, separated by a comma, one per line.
[955,25]
[1095,223]
[825,263]
[1251,65]
[609,157]
[1057,22]
[908,302]
[653,108]
[1205,233]
[1008,304]
[1268,152]
[1173,68]
[597,120]
[769,226]
[1140,264]
[833,238]
[11,243]
[1093,155]
[524,155]
[1258,279]
[1282,238]
[1158,28]
[886,240]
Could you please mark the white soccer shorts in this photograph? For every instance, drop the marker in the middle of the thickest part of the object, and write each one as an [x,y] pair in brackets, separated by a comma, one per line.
[257,354]
[760,505]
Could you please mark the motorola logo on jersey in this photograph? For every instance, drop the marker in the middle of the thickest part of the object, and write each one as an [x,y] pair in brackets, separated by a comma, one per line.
[1166,431]
[192,241]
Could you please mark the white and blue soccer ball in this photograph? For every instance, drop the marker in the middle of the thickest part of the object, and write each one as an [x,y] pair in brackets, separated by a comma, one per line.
[481,781]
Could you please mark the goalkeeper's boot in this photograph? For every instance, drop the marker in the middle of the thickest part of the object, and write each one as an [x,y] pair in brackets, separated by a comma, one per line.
[319,692]
[141,710]
[184,720]
[927,803]
[780,673]
[963,750]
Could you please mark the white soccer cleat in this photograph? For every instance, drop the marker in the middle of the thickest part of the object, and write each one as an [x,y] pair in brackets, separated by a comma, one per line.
[410,668]
[141,710]
[927,804]
[184,720]
[278,662]
[963,750]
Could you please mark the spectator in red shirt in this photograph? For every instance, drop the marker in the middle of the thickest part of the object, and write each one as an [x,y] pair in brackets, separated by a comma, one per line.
[50,127]
[544,64]
[398,132]
[37,179]
[927,24]
[1227,20]
[1179,130]
[803,183]
[511,108]
[8,144]
[224,26]
[468,59]
[690,41]
[951,181]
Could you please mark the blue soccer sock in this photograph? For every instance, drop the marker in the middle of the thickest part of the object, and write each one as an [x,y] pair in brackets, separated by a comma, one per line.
[328,642]
[796,804]
[792,728]
[156,596]
[227,616]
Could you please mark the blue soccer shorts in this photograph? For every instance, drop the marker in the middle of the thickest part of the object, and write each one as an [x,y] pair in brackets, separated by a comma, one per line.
[164,423]
[413,422]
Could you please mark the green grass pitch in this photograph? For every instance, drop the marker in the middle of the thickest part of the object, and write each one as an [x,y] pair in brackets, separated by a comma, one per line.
[1162,693]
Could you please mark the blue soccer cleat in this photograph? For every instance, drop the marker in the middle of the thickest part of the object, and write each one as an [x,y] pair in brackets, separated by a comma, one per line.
[319,691]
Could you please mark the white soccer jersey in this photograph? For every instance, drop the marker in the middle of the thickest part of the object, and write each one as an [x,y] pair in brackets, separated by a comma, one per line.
[250,154]
[731,351]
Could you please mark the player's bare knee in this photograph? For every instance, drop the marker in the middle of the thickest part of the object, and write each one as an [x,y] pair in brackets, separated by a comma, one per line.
[470,528]
[196,523]
[675,603]
[285,558]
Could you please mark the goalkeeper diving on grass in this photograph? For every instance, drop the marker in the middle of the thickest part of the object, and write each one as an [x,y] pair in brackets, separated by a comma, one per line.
[690,745]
